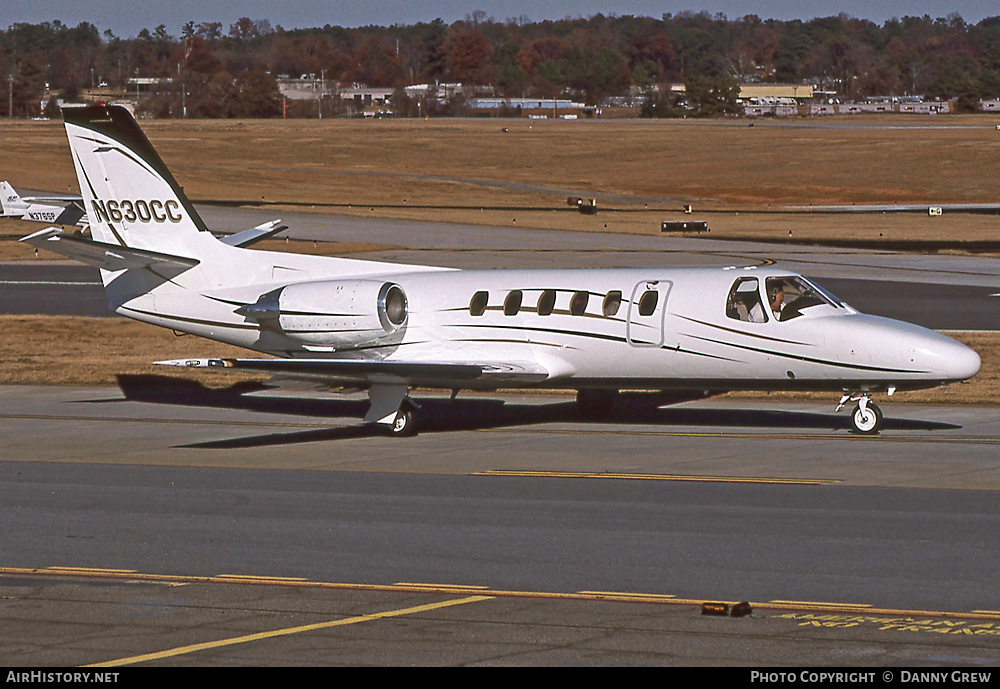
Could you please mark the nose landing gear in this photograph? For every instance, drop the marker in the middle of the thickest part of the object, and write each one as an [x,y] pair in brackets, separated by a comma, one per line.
[866,417]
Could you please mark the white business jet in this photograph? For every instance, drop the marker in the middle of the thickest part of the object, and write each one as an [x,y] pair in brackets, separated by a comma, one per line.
[387,327]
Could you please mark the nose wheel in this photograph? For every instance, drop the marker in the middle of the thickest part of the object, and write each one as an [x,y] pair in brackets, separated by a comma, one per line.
[866,418]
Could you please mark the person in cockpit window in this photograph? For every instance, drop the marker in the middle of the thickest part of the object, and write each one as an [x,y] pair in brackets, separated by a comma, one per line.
[777,295]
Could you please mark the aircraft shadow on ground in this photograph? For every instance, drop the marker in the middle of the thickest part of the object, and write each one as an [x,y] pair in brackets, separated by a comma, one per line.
[438,415]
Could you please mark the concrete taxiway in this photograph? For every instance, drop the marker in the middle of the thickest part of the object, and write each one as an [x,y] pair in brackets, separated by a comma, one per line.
[192,527]
[171,422]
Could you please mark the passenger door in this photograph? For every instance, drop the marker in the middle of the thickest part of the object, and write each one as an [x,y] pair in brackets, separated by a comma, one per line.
[647,308]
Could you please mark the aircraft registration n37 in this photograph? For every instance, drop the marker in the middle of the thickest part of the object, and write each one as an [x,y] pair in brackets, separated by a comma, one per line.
[41,209]
[388,327]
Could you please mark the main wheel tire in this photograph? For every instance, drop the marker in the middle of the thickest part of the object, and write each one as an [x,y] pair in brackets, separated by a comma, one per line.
[405,423]
[867,421]
[595,404]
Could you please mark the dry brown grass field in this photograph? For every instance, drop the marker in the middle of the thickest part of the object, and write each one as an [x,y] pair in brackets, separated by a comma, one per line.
[69,350]
[642,171]
[737,177]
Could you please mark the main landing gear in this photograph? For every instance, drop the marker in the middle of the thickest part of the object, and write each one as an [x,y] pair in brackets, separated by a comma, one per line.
[392,409]
[866,417]
[405,423]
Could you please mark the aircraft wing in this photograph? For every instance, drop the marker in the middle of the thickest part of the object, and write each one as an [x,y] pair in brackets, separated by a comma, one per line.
[108,256]
[72,214]
[254,234]
[57,199]
[366,372]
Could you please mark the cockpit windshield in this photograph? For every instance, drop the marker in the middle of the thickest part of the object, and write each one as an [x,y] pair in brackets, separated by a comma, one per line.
[784,298]
[789,296]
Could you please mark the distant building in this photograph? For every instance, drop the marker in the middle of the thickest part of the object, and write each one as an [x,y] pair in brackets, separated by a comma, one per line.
[795,92]
[822,109]
[147,86]
[440,91]
[773,109]
[551,107]
[929,108]
[881,106]
[366,96]
[886,105]
[302,88]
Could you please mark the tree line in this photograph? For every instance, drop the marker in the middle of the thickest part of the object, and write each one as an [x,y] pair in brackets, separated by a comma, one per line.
[231,71]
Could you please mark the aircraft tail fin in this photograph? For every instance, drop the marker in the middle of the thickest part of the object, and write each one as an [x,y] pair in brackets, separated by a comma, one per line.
[129,194]
[8,199]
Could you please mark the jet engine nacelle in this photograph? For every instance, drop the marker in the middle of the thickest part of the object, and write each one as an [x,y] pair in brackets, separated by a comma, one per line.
[342,314]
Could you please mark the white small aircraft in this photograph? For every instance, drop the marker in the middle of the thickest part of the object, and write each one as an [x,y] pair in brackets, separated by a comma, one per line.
[13,205]
[386,327]
[41,208]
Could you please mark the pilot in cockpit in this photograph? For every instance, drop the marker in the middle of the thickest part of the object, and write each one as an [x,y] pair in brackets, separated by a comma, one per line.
[777,299]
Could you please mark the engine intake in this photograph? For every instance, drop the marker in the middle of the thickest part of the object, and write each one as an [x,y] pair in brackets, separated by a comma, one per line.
[334,313]
[391,306]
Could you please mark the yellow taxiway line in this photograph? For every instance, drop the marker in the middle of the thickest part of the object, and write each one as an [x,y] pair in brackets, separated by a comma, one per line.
[482,591]
[803,613]
[659,477]
[288,631]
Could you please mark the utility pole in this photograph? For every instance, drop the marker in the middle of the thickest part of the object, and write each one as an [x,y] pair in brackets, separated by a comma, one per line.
[10,98]
[322,90]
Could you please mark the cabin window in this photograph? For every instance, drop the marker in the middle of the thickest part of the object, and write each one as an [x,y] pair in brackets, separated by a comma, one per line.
[477,307]
[546,302]
[512,304]
[578,304]
[647,302]
[612,302]
[743,303]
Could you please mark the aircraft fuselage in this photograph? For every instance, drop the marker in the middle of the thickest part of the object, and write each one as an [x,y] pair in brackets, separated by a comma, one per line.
[642,329]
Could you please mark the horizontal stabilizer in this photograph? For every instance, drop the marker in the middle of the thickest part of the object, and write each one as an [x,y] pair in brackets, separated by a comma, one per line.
[107,256]
[339,371]
[254,234]
[54,199]
[72,215]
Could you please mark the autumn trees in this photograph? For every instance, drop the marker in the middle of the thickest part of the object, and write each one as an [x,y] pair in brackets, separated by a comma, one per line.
[220,71]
